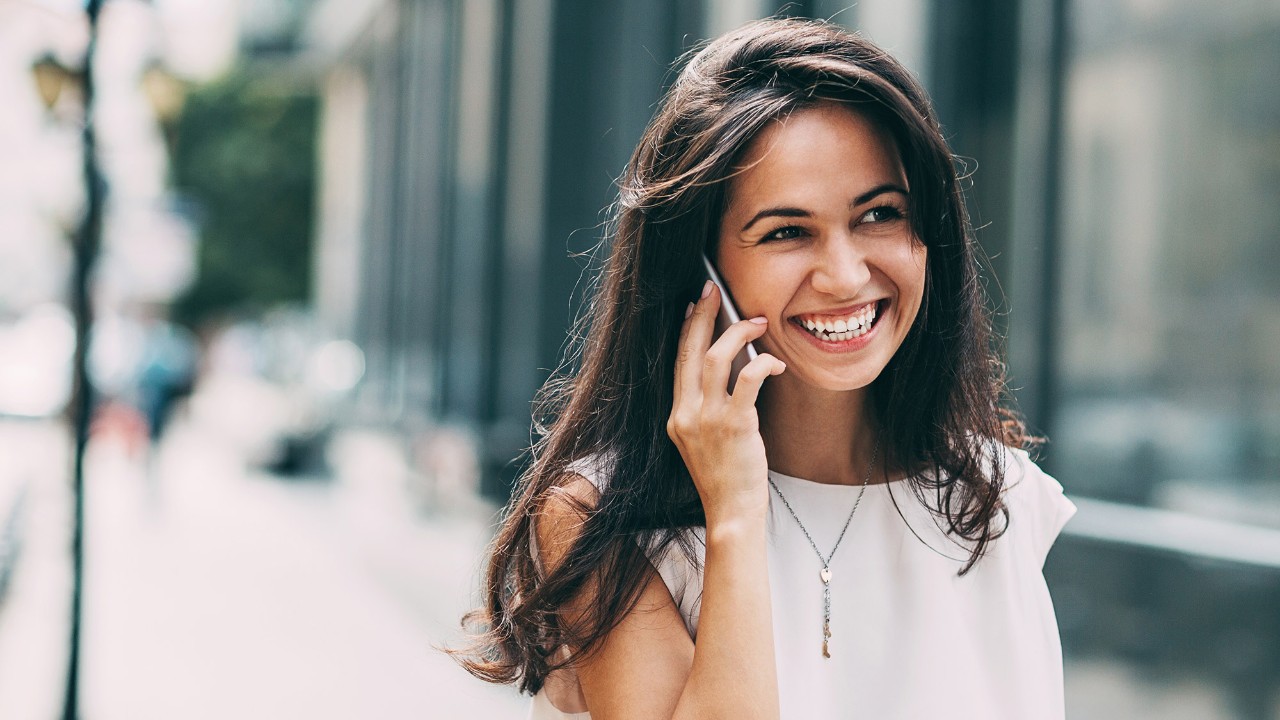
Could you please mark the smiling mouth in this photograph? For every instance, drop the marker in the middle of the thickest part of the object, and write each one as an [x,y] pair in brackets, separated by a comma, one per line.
[842,328]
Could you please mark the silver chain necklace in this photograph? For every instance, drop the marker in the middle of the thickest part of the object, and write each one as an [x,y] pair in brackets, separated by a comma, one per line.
[825,573]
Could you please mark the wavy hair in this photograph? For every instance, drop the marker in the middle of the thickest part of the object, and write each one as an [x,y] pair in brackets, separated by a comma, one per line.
[938,402]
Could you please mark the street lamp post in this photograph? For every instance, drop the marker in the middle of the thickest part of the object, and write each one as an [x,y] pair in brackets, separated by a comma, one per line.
[87,241]
[166,95]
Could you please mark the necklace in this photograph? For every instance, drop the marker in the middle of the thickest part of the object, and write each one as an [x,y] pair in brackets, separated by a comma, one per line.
[825,573]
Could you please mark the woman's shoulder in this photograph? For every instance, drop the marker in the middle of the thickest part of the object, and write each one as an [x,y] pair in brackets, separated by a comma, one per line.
[574,492]
[561,509]
[1038,505]
[1023,477]
[595,468]
[565,506]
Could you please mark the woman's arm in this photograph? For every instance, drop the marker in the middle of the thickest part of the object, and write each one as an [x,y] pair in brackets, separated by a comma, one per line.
[641,666]
[648,667]
[734,674]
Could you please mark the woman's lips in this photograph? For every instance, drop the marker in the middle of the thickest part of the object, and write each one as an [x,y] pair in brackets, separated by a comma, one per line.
[852,344]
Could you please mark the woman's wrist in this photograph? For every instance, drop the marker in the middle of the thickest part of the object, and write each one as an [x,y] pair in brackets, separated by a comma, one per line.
[737,524]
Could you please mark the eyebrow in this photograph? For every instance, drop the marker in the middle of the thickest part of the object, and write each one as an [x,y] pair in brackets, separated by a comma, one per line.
[793,212]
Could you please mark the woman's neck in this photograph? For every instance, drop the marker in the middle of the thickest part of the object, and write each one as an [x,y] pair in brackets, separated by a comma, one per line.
[823,436]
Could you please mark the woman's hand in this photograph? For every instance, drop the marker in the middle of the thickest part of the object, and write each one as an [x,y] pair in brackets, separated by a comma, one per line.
[649,667]
[718,434]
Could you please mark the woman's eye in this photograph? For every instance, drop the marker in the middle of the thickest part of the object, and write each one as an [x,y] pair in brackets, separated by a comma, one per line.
[881,214]
[790,232]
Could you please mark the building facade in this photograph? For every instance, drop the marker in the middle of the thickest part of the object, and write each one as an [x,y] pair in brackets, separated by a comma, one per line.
[1124,157]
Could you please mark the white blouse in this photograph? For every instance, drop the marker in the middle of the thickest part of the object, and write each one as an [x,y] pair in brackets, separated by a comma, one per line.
[909,638]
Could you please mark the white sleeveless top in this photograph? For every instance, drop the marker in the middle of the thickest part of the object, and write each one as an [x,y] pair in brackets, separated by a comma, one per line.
[910,638]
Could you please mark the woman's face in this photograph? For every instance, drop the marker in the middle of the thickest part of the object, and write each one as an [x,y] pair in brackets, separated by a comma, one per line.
[815,238]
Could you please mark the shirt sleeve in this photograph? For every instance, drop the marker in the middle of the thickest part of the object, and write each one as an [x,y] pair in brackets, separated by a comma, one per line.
[1038,504]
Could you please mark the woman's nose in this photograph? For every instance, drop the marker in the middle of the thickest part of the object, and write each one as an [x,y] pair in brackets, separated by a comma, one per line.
[840,269]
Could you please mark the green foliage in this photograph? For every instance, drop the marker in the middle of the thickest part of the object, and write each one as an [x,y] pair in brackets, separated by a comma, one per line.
[244,151]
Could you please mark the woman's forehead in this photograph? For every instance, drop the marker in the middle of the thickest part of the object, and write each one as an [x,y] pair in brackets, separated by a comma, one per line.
[826,149]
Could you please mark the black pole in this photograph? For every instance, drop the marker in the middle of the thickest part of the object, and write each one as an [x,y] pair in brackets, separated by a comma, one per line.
[1046,402]
[87,240]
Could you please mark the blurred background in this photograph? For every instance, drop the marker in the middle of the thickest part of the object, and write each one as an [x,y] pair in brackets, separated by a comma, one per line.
[330,259]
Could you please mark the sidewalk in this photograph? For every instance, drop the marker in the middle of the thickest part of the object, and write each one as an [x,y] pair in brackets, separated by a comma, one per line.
[215,592]
[223,593]
[35,612]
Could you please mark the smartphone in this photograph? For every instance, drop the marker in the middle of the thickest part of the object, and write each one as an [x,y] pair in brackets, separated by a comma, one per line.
[727,316]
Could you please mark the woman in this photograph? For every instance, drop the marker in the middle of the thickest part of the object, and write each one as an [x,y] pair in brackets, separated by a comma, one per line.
[853,530]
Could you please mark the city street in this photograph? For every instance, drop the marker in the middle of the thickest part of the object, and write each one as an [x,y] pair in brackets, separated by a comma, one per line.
[218,592]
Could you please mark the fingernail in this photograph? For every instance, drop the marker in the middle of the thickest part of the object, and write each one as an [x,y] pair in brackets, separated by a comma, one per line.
[759,320]
[706,288]
[688,311]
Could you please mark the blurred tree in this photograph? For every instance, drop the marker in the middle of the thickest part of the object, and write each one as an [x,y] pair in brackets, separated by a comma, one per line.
[244,151]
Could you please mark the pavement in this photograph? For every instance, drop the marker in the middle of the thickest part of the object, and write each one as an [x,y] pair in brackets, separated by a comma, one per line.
[35,609]
[215,591]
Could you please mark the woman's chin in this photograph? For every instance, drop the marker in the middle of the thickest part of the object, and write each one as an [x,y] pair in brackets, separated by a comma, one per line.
[826,379]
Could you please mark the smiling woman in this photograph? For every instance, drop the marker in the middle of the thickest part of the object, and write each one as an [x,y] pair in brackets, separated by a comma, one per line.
[827,247]
[854,529]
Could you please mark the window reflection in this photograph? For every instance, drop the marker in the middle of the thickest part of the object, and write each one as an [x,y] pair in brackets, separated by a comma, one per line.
[1168,404]
[1171,313]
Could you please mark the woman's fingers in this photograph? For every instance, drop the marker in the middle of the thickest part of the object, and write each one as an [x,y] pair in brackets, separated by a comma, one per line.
[718,361]
[718,435]
[695,338]
[747,388]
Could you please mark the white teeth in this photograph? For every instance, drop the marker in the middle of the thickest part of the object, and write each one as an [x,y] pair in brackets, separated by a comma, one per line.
[844,328]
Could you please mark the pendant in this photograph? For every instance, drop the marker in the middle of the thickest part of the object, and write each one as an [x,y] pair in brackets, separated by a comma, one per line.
[825,574]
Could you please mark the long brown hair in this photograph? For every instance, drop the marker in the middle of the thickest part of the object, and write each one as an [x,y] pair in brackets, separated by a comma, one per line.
[938,402]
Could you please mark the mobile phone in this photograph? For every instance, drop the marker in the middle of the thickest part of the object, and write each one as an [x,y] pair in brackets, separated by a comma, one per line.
[727,316]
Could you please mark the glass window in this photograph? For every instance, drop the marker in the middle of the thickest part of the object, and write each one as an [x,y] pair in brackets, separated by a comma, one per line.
[1167,402]
[1170,305]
